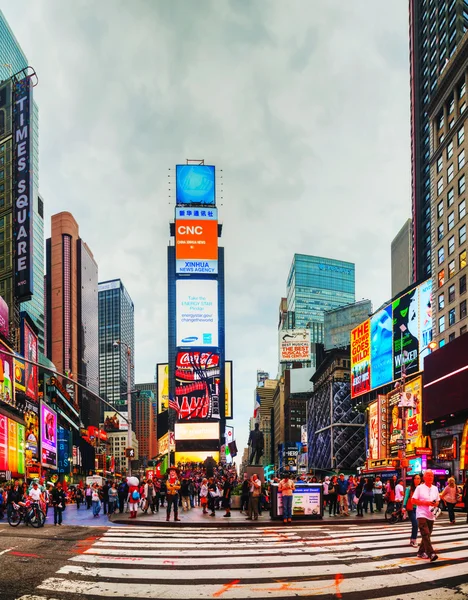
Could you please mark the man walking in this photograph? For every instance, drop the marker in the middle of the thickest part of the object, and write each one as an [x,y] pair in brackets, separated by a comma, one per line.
[425,498]
[122,492]
[343,486]
[254,497]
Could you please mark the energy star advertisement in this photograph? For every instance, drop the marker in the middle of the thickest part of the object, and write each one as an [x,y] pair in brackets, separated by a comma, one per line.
[197,313]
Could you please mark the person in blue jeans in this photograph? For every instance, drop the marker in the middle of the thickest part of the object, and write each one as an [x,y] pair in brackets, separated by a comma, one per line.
[411,510]
[286,487]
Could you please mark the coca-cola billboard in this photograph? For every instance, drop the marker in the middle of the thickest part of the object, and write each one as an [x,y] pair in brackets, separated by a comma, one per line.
[197,389]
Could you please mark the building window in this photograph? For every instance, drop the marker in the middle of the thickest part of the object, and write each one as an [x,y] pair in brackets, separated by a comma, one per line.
[462,284]
[461,160]
[461,209]
[441,255]
[451,269]
[463,329]
[451,106]
[450,171]
[452,336]
[440,185]
[440,120]
[451,245]
[442,324]
[440,209]
[461,136]
[451,221]
[440,232]
[451,316]
[450,151]
[462,259]
[441,278]
[461,89]
[463,309]
[462,235]
[440,163]
[441,301]
[451,196]
[463,108]
[451,293]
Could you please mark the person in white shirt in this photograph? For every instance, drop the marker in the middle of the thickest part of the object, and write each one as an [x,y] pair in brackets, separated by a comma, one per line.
[35,493]
[399,492]
[425,498]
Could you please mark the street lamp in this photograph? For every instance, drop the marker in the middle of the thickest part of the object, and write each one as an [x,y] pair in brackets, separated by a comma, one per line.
[129,400]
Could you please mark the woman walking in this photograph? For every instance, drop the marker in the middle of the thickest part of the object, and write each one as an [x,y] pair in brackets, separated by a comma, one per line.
[113,499]
[286,487]
[95,500]
[449,496]
[204,495]
[411,510]
[378,493]
[360,496]
[351,493]
[333,495]
[369,495]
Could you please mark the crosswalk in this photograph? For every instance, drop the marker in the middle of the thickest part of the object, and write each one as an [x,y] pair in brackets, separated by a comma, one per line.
[362,562]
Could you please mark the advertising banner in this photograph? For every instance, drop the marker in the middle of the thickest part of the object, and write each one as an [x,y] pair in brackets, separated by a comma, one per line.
[425,321]
[12,446]
[163,444]
[4,318]
[382,347]
[306,501]
[6,374]
[406,333]
[20,375]
[32,437]
[195,457]
[228,407]
[360,359]
[22,189]
[163,387]
[197,313]
[196,246]
[294,345]
[413,420]
[48,436]
[30,352]
[3,443]
[383,430]
[203,214]
[64,450]
[373,431]
[195,184]
[196,431]
[395,422]
[20,433]
[114,422]
[197,386]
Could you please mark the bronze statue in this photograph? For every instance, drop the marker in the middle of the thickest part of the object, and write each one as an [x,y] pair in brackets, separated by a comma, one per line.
[257,444]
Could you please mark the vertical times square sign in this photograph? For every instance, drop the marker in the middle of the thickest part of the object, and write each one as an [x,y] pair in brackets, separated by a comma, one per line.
[23,188]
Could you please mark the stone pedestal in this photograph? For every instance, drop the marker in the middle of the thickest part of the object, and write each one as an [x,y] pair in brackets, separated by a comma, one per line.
[255,470]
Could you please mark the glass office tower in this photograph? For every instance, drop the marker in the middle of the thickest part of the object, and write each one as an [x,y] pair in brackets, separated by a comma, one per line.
[116,322]
[13,60]
[436,28]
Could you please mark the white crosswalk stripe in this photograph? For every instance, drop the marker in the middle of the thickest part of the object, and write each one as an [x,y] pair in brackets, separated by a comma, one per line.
[281,563]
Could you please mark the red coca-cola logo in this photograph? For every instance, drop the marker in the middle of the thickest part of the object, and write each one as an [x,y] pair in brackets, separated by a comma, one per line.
[197,359]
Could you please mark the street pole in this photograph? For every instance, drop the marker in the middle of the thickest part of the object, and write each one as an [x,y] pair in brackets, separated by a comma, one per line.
[129,406]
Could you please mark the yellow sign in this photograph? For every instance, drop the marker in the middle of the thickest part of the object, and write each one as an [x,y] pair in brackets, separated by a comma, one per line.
[228,389]
[163,444]
[195,457]
[163,387]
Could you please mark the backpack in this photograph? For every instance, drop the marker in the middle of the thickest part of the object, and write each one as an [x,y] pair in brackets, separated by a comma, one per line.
[135,495]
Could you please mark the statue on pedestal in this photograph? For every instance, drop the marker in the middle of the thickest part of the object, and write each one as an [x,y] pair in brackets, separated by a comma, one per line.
[256,444]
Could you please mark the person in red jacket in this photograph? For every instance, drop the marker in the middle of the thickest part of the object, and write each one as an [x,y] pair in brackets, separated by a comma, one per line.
[133,495]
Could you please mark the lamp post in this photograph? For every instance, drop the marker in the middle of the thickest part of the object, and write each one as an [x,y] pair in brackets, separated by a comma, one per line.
[129,399]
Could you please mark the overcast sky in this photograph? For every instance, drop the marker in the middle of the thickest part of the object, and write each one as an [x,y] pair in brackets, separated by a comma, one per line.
[304,105]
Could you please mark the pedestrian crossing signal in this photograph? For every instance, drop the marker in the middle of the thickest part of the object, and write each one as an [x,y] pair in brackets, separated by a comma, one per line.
[130,453]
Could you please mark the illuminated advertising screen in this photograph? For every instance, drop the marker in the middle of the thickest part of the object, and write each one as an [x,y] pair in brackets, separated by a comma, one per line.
[3,443]
[381,326]
[294,345]
[425,321]
[228,408]
[196,244]
[20,437]
[196,431]
[48,436]
[195,185]
[30,352]
[20,375]
[197,313]
[32,436]
[360,359]
[64,450]
[373,431]
[114,422]
[382,407]
[306,501]
[195,456]
[413,421]
[395,429]
[6,375]
[163,387]
[197,386]
[12,446]
[4,318]
[406,333]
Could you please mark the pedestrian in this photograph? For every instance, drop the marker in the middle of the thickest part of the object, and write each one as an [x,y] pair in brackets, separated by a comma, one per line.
[351,493]
[360,496]
[399,494]
[122,493]
[426,497]
[134,496]
[411,510]
[113,498]
[95,500]
[58,502]
[173,487]
[244,506]
[15,496]
[255,491]
[326,485]
[88,496]
[204,495]
[286,487]
[213,494]
[157,494]
[150,495]
[192,488]
[368,492]
[333,496]
[78,497]
[343,485]
[185,494]
[449,496]
[378,493]
[227,491]
[390,493]
[163,493]
[105,497]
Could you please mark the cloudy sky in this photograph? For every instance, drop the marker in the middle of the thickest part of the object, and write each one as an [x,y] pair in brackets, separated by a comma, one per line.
[304,105]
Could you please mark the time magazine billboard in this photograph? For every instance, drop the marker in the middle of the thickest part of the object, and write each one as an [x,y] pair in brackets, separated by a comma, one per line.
[197,389]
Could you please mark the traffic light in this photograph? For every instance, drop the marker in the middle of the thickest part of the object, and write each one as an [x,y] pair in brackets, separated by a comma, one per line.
[130,453]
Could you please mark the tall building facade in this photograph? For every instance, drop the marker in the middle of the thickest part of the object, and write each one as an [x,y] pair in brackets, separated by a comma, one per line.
[116,324]
[449,156]
[402,258]
[71,294]
[436,28]
[339,323]
[12,61]
[145,426]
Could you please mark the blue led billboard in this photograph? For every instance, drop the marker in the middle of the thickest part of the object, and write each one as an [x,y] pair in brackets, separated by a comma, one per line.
[195,184]
[382,347]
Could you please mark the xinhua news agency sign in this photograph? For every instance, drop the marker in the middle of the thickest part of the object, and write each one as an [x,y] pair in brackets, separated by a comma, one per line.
[23,188]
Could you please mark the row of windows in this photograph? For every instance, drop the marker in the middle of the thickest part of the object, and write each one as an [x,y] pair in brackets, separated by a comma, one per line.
[452,316]
[451,293]
[452,269]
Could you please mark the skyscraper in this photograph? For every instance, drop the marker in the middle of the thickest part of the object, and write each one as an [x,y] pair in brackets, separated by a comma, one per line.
[71,305]
[12,61]
[145,425]
[435,31]
[116,323]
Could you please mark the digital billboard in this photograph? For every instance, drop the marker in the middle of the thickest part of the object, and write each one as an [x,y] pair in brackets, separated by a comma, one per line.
[381,333]
[163,387]
[413,421]
[373,430]
[228,408]
[30,352]
[195,456]
[32,436]
[196,431]
[382,405]
[406,333]
[195,185]
[48,436]
[197,388]
[114,422]
[294,345]
[4,318]
[6,374]
[197,313]
[360,359]
[425,321]
[3,443]
[12,436]
[20,375]
[196,245]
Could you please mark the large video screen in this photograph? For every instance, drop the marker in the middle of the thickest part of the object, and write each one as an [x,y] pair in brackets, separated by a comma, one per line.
[197,390]
[195,185]
[406,333]
[197,313]
[382,347]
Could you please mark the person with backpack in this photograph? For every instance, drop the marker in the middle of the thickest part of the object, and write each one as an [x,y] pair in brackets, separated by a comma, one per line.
[411,510]
[122,492]
[133,496]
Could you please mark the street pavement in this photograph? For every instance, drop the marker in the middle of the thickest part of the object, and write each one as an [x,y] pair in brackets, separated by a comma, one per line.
[321,561]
